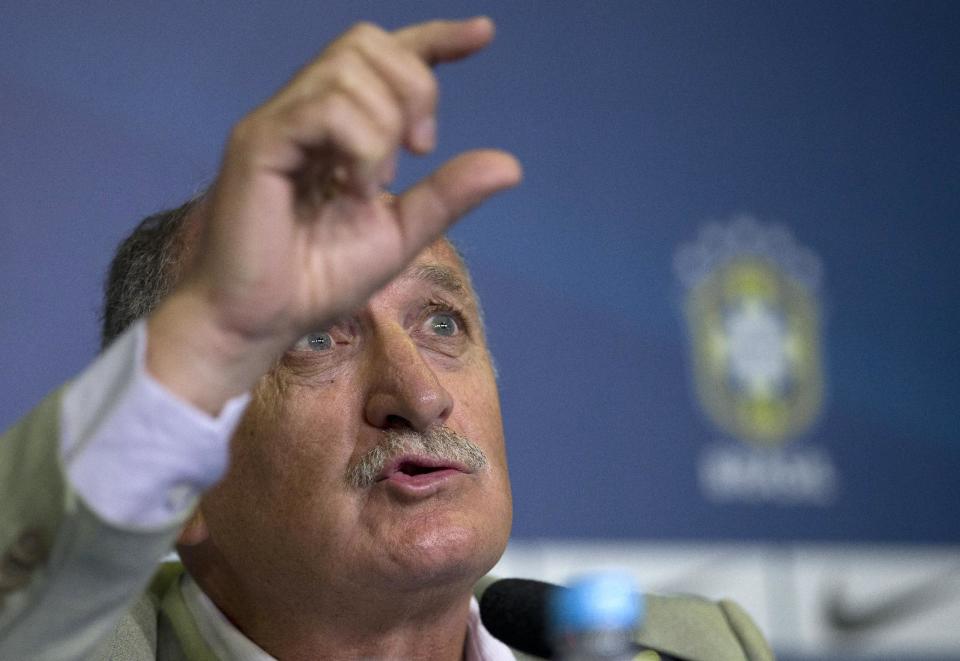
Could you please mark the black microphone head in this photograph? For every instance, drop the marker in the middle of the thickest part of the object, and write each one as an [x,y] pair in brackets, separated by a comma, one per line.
[515,610]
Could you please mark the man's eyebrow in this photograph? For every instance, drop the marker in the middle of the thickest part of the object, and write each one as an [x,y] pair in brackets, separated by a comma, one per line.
[439,276]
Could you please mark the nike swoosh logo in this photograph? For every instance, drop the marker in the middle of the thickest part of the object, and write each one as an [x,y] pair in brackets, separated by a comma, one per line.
[902,605]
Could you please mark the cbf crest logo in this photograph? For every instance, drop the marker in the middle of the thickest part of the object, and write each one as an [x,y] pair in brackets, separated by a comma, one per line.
[752,315]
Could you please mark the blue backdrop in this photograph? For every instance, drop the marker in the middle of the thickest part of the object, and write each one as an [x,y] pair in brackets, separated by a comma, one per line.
[644,128]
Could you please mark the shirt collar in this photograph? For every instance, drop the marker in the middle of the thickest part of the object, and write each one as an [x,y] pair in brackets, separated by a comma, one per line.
[227,642]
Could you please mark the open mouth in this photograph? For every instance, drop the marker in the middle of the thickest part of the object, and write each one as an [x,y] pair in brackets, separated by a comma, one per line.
[419,469]
[412,468]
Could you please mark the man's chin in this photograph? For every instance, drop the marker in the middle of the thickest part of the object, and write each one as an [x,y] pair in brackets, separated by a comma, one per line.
[441,559]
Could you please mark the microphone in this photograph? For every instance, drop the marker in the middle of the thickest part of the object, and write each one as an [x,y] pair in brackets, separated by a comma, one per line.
[515,611]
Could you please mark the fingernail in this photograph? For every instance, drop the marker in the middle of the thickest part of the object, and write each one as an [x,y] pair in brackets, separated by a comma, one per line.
[425,134]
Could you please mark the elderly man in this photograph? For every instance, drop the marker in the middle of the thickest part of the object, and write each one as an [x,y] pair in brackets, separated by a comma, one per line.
[366,490]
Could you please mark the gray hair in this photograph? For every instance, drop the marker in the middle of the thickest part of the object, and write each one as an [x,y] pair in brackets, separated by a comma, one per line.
[438,442]
[144,269]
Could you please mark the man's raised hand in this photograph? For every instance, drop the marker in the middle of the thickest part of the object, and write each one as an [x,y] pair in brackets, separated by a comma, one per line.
[295,231]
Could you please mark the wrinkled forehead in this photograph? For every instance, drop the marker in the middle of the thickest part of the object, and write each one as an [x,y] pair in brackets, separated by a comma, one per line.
[440,266]
[444,249]
[438,270]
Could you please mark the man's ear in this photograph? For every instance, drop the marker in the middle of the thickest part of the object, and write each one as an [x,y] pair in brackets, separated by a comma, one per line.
[195,531]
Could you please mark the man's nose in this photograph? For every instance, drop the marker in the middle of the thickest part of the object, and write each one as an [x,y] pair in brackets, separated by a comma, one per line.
[404,391]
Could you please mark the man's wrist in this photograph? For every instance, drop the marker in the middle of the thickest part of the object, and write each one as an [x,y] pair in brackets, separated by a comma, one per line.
[192,354]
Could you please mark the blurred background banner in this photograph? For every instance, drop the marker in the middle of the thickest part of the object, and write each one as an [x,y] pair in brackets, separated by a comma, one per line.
[723,303]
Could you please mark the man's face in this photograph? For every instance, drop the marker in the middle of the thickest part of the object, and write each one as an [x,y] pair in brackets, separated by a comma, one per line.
[295,507]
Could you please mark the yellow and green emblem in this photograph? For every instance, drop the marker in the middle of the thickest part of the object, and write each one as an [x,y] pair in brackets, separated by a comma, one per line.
[754,327]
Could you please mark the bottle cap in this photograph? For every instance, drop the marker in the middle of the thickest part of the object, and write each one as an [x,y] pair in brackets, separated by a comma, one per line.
[600,600]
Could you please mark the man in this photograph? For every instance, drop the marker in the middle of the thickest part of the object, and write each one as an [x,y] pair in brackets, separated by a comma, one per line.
[367,487]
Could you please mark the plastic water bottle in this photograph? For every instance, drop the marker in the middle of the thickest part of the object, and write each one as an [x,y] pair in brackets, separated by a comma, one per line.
[596,617]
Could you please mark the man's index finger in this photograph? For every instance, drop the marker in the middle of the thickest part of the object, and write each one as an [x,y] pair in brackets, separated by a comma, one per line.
[445,41]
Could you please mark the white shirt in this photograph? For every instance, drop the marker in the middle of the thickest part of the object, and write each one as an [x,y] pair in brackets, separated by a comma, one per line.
[140,457]
[227,642]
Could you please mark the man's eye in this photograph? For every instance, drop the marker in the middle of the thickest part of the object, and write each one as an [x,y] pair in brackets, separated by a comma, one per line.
[321,341]
[443,324]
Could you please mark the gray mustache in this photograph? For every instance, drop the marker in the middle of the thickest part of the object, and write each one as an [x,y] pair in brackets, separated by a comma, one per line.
[439,442]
